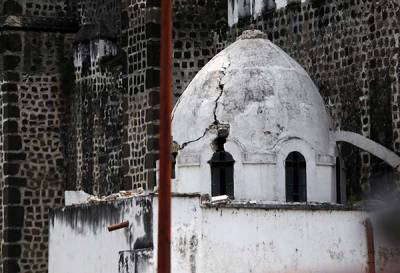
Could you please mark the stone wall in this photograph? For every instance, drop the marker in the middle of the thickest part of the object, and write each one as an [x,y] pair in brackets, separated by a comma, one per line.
[350,49]
[32,108]
[114,122]
[140,41]
[200,32]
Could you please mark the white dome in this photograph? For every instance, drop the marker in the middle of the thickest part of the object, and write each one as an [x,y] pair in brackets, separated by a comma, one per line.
[264,95]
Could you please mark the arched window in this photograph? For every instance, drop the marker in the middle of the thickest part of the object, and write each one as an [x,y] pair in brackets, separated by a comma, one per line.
[296,181]
[221,165]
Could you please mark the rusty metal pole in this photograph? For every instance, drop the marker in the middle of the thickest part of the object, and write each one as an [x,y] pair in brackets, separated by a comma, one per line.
[164,189]
[371,246]
[118,226]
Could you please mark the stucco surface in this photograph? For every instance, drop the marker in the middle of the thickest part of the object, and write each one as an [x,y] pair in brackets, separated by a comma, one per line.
[262,93]
[237,237]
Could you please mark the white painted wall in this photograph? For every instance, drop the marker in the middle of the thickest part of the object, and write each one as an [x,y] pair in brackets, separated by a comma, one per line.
[80,242]
[283,241]
[262,238]
[258,176]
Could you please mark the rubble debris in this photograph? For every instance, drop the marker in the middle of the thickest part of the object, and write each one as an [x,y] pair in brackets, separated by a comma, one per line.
[115,196]
[220,199]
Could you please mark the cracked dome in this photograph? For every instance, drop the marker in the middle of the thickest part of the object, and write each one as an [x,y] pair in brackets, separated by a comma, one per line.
[263,95]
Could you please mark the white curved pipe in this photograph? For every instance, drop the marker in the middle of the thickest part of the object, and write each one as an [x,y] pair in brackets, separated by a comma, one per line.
[370,146]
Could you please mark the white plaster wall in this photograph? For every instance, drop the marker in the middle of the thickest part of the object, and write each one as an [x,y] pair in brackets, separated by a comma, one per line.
[220,239]
[80,242]
[258,183]
[319,178]
[257,176]
[186,234]
[248,240]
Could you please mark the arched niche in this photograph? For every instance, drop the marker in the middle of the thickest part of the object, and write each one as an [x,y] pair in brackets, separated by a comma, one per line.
[296,178]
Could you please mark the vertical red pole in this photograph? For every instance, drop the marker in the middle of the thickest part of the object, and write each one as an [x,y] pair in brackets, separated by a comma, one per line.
[164,204]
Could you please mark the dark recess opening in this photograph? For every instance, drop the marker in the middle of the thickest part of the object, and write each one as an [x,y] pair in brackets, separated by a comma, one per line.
[296,184]
[338,186]
[221,163]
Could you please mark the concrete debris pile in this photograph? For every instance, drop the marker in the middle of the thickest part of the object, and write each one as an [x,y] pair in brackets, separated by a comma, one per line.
[115,196]
[81,197]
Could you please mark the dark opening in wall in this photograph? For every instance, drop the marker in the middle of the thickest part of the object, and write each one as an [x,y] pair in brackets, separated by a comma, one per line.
[338,186]
[221,163]
[173,161]
[296,181]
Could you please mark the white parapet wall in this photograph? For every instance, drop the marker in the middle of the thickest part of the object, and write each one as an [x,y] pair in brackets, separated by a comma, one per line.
[81,243]
[214,238]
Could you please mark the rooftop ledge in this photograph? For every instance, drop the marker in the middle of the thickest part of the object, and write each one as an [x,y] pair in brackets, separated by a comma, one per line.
[207,202]
[268,205]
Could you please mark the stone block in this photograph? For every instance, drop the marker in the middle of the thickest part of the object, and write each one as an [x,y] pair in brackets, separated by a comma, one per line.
[150,160]
[11,250]
[10,266]
[153,53]
[10,98]
[11,62]
[126,151]
[10,169]
[14,156]
[12,143]
[153,3]
[11,111]
[11,195]
[152,115]
[153,30]
[14,216]
[152,144]
[152,78]
[128,184]
[12,7]
[15,181]
[10,42]
[12,235]
[9,87]
[153,129]
[10,127]
[154,98]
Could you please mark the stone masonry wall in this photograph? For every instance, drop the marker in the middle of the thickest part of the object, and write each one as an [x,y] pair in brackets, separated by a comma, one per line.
[350,49]
[32,173]
[132,115]
[200,32]
[33,148]
[140,41]
[95,139]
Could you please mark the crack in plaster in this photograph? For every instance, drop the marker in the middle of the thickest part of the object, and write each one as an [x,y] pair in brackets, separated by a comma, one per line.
[221,90]
[216,121]
[195,140]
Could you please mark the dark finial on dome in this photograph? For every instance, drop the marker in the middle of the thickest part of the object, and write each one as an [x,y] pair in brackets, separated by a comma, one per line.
[252,34]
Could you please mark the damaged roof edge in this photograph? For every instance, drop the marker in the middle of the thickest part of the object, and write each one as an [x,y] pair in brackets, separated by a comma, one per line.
[281,206]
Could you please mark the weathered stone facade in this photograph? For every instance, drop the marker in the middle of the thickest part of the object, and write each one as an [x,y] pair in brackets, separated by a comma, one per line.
[80,93]
[32,50]
[113,134]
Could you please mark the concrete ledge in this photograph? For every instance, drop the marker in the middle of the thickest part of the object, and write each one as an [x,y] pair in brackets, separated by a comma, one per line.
[282,206]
